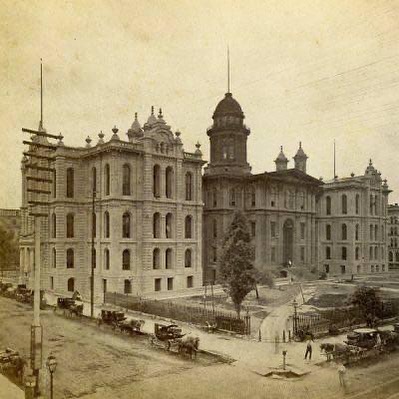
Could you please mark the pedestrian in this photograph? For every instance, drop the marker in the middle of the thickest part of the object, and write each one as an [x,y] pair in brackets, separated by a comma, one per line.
[341,375]
[308,347]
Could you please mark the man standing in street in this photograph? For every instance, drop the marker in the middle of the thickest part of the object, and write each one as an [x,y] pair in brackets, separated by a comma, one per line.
[341,374]
[308,347]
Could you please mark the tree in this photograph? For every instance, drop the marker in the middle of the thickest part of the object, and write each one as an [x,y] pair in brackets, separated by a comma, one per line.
[368,301]
[8,249]
[237,273]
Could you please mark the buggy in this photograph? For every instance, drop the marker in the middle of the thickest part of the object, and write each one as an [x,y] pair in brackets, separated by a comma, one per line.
[131,326]
[167,337]
[112,317]
[11,363]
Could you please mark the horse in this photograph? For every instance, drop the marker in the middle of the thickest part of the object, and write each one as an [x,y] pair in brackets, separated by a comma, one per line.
[189,345]
[334,350]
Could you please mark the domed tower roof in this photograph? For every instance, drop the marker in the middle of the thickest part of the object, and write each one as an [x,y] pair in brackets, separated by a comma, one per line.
[300,154]
[228,107]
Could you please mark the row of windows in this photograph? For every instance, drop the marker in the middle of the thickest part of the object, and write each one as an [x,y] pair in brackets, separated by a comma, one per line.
[373,253]
[126,182]
[344,232]
[127,284]
[391,257]
[358,268]
[374,204]
[126,225]
[126,261]
[394,243]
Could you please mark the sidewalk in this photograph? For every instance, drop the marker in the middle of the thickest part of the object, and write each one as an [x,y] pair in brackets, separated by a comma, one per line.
[8,390]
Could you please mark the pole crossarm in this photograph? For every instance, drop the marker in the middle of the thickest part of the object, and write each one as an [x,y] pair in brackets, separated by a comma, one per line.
[49,146]
[38,203]
[33,178]
[37,190]
[32,166]
[32,154]
[39,133]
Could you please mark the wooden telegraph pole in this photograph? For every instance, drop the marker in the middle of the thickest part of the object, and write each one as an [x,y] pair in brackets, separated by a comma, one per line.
[39,178]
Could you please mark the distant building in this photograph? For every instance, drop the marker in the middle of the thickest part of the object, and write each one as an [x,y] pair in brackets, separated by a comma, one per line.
[393,236]
[10,219]
[147,222]
[352,224]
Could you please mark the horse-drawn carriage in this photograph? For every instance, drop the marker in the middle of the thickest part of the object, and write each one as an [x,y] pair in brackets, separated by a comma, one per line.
[11,363]
[111,317]
[172,338]
[129,326]
[360,344]
[4,287]
[70,307]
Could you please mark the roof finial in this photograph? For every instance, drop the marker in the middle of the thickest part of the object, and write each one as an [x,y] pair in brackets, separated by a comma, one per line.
[152,110]
[228,69]
[160,113]
[41,93]
[135,116]
[281,147]
[300,144]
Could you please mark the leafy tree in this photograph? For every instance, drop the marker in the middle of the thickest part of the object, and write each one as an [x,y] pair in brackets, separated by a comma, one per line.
[237,273]
[368,301]
[8,249]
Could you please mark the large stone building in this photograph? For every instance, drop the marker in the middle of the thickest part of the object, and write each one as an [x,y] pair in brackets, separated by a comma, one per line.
[393,236]
[147,222]
[352,224]
[10,220]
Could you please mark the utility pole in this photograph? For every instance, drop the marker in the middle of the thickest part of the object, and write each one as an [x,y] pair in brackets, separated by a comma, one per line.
[38,160]
[93,231]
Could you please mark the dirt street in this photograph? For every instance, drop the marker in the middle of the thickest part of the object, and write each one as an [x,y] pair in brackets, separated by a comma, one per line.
[89,357]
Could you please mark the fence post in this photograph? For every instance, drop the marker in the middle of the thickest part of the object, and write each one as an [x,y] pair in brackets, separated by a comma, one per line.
[283,335]
[260,335]
[289,335]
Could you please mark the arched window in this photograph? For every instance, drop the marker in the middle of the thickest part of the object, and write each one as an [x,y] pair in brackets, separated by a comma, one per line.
[54,184]
[357,204]
[397,257]
[169,182]
[253,197]
[93,225]
[126,225]
[54,225]
[168,258]
[357,232]
[233,200]
[328,231]
[156,181]
[214,228]
[126,260]
[344,204]
[156,259]
[54,258]
[187,258]
[357,253]
[328,205]
[390,256]
[70,225]
[376,253]
[94,179]
[169,225]
[188,227]
[371,253]
[70,258]
[328,252]
[189,186]
[71,284]
[106,224]
[126,180]
[94,258]
[70,183]
[371,205]
[127,287]
[344,235]
[376,232]
[371,232]
[107,180]
[156,222]
[343,253]
[106,259]
[215,198]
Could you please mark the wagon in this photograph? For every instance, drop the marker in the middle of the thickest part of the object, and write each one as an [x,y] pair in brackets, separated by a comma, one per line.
[167,337]
[11,362]
[112,317]
[363,338]
[131,326]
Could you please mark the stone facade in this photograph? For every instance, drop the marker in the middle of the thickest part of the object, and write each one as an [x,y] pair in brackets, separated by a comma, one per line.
[147,222]
[352,224]
[286,209]
[393,236]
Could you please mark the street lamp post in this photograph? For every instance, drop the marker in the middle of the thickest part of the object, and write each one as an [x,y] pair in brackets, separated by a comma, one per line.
[295,325]
[51,365]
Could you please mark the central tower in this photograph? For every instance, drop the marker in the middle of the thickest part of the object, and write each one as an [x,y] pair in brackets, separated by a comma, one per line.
[228,140]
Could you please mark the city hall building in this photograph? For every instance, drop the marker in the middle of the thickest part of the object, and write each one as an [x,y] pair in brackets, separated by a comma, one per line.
[158,221]
[146,226]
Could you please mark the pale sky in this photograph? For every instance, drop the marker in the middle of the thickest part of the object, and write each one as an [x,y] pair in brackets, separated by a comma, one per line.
[307,71]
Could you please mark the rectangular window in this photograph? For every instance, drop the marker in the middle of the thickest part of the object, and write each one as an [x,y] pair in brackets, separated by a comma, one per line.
[328,232]
[302,254]
[170,283]
[273,254]
[51,283]
[273,229]
[157,284]
[190,282]
[253,229]
[342,269]
[303,226]
[104,285]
